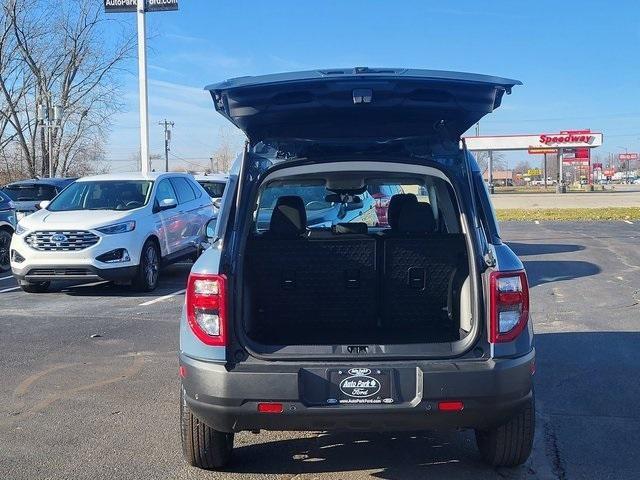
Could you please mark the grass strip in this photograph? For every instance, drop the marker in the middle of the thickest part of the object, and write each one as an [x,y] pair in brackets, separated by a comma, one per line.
[568,214]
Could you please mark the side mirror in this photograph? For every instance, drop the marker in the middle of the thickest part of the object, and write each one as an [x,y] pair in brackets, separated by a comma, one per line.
[217,202]
[44,204]
[210,232]
[167,204]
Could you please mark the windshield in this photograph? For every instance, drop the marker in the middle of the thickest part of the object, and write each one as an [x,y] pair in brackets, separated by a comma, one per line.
[103,195]
[30,192]
[214,189]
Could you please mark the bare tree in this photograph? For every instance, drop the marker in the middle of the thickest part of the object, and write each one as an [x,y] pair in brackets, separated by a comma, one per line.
[499,162]
[522,166]
[56,53]
[225,154]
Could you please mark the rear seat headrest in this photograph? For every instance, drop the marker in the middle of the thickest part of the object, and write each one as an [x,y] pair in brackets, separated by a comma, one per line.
[289,217]
[360,228]
[395,205]
[416,218]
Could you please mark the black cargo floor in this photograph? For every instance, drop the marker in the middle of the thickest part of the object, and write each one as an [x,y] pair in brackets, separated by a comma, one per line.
[342,336]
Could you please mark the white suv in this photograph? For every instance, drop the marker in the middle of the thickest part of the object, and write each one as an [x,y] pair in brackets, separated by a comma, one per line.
[116,227]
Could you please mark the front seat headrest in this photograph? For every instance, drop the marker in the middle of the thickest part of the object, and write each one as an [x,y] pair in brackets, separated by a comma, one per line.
[395,205]
[416,218]
[289,217]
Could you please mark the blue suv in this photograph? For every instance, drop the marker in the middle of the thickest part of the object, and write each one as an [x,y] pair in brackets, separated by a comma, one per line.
[352,323]
[7,227]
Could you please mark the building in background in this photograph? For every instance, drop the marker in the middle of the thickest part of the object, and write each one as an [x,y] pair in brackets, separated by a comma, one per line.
[501,178]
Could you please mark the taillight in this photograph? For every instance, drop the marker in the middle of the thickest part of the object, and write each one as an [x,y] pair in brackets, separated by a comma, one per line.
[509,305]
[207,307]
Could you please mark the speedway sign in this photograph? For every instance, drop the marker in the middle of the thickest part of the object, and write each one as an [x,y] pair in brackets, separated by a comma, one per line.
[120,6]
[535,143]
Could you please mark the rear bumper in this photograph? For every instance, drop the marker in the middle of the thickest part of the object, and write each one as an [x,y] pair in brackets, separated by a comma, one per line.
[47,273]
[492,392]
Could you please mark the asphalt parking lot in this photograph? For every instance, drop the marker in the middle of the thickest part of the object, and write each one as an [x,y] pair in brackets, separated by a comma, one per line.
[89,387]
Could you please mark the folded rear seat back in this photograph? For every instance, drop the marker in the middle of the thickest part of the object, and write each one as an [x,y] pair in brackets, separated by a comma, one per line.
[275,260]
[306,284]
[418,269]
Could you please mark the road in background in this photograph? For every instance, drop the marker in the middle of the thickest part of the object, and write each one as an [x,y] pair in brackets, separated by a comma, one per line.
[73,406]
[629,197]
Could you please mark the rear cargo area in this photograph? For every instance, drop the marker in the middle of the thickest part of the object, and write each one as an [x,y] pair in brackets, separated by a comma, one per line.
[351,286]
[355,289]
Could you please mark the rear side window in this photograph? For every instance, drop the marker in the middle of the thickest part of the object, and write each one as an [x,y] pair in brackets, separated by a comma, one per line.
[183,189]
[196,188]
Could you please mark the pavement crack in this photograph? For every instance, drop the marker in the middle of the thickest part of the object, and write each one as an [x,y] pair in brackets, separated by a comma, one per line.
[553,452]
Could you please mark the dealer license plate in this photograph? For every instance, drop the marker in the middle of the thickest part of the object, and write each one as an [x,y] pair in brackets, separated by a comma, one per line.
[360,386]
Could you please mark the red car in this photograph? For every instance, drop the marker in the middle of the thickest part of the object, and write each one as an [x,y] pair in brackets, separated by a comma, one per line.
[382,195]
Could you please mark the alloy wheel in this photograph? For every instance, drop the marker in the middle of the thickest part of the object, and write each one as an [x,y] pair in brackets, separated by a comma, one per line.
[151,267]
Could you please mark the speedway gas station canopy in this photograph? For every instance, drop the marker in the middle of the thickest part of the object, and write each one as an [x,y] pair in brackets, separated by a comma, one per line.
[552,141]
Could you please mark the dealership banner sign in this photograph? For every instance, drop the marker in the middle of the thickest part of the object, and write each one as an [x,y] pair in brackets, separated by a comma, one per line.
[628,156]
[120,6]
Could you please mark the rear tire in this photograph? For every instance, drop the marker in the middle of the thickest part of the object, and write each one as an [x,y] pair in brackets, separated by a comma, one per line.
[146,280]
[34,287]
[5,242]
[202,446]
[510,444]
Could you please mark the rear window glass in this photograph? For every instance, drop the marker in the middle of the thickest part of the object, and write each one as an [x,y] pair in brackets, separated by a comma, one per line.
[21,193]
[326,207]
[214,189]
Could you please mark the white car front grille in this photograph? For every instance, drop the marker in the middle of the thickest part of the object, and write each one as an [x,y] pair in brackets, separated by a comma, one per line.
[61,240]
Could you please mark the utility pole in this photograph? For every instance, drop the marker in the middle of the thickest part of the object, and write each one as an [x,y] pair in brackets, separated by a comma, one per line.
[49,118]
[167,140]
[491,187]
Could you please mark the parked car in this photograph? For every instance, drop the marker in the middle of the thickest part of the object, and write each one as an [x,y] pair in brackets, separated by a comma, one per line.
[7,226]
[120,227]
[214,184]
[27,194]
[419,324]
[383,195]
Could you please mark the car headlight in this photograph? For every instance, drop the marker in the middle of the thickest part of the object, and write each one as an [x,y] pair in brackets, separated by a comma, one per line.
[20,229]
[117,228]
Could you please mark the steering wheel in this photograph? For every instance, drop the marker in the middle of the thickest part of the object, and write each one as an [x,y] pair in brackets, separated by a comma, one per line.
[133,204]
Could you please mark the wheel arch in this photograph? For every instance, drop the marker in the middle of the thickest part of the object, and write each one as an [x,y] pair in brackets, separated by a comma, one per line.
[154,238]
[7,227]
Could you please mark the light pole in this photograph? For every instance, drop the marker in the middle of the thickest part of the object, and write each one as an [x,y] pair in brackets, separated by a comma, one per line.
[49,118]
[626,159]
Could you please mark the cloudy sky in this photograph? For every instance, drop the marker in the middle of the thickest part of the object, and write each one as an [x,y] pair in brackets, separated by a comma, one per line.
[579,61]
